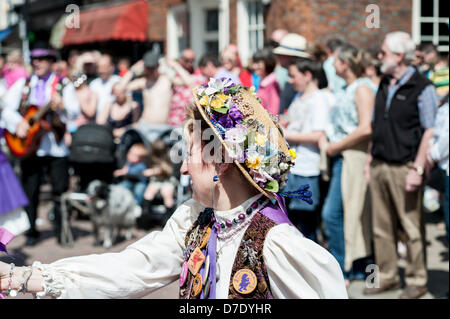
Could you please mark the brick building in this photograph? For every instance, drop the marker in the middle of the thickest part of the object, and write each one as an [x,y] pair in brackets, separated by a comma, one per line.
[209,25]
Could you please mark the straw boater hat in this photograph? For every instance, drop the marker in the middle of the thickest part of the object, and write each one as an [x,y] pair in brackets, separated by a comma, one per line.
[293,44]
[251,135]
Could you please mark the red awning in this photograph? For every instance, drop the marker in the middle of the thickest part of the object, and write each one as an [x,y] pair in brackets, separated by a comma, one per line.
[125,21]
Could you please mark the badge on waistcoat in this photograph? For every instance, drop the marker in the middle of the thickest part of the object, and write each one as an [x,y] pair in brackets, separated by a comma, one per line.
[196,261]
[196,286]
[205,238]
[244,281]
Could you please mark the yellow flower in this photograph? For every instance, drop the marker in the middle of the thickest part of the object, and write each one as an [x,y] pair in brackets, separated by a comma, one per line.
[292,153]
[260,139]
[222,96]
[254,163]
[217,103]
[204,101]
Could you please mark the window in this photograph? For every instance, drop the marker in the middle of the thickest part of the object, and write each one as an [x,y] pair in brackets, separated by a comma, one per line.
[178,33]
[431,23]
[211,31]
[256,26]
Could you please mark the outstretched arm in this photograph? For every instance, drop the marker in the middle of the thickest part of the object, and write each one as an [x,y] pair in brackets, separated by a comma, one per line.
[148,264]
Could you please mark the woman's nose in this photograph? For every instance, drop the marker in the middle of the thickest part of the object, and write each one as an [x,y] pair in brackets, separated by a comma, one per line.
[183,168]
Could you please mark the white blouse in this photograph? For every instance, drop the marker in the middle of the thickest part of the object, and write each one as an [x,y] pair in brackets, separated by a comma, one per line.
[297,267]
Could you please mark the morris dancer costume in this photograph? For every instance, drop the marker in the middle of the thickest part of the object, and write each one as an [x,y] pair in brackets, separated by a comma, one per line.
[250,251]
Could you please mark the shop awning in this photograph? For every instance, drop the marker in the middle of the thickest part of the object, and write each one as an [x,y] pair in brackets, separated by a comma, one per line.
[124,21]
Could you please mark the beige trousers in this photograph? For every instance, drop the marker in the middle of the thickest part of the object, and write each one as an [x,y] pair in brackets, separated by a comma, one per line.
[356,203]
[393,207]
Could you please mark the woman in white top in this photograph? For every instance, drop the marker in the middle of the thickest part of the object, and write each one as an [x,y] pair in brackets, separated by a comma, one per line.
[296,267]
[307,121]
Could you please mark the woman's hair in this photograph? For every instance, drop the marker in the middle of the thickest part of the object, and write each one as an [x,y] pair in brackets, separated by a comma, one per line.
[369,59]
[159,157]
[267,57]
[306,65]
[353,57]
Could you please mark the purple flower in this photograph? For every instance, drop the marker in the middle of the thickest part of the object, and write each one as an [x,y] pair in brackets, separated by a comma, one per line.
[226,121]
[235,114]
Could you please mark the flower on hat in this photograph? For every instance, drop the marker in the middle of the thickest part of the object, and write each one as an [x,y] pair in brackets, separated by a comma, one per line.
[292,153]
[260,139]
[204,101]
[236,135]
[246,143]
[253,162]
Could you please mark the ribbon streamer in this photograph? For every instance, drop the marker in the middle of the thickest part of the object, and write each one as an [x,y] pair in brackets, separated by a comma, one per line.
[5,238]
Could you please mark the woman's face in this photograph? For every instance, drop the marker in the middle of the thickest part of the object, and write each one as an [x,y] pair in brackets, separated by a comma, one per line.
[340,67]
[259,68]
[201,173]
[298,79]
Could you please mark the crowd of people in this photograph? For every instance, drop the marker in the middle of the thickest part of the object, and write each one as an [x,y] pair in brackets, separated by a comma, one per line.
[368,127]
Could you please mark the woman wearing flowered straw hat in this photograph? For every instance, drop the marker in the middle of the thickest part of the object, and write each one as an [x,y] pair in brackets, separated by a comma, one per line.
[231,240]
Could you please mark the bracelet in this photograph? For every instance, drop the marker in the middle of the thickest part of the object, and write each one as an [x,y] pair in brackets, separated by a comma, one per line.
[26,275]
[11,292]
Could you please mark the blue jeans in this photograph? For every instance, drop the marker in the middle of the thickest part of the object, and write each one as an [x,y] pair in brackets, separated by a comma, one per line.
[333,214]
[137,188]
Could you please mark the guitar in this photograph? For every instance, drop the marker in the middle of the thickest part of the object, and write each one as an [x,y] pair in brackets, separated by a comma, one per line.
[26,147]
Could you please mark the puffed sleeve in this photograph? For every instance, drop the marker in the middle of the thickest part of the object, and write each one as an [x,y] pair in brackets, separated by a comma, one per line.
[298,268]
[148,264]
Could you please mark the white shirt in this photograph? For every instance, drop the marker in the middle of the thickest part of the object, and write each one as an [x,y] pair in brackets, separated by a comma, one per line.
[297,267]
[308,114]
[104,90]
[11,117]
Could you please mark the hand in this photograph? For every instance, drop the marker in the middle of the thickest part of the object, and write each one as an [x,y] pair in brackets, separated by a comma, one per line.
[323,141]
[430,161]
[367,170]
[57,101]
[413,180]
[148,172]
[22,128]
[332,150]
[120,172]
[283,121]
[171,63]
[138,67]
[4,276]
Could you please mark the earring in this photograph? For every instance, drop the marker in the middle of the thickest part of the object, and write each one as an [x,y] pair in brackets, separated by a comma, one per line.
[215,178]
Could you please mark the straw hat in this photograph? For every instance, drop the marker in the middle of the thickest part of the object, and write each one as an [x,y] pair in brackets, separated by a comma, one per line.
[248,132]
[292,44]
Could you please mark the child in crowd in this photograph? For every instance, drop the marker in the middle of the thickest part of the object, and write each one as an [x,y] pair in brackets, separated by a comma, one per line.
[134,168]
[160,173]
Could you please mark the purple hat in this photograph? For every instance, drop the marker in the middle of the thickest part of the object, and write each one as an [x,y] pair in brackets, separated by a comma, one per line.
[43,53]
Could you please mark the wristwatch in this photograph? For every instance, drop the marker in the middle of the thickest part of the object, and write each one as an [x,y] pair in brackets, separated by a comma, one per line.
[419,170]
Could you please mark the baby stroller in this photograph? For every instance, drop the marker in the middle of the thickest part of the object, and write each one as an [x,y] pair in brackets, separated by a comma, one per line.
[155,212]
[92,157]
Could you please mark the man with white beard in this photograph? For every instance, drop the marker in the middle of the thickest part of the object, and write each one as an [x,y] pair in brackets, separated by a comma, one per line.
[404,113]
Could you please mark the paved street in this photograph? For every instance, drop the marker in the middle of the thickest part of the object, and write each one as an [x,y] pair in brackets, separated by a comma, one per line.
[48,251]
